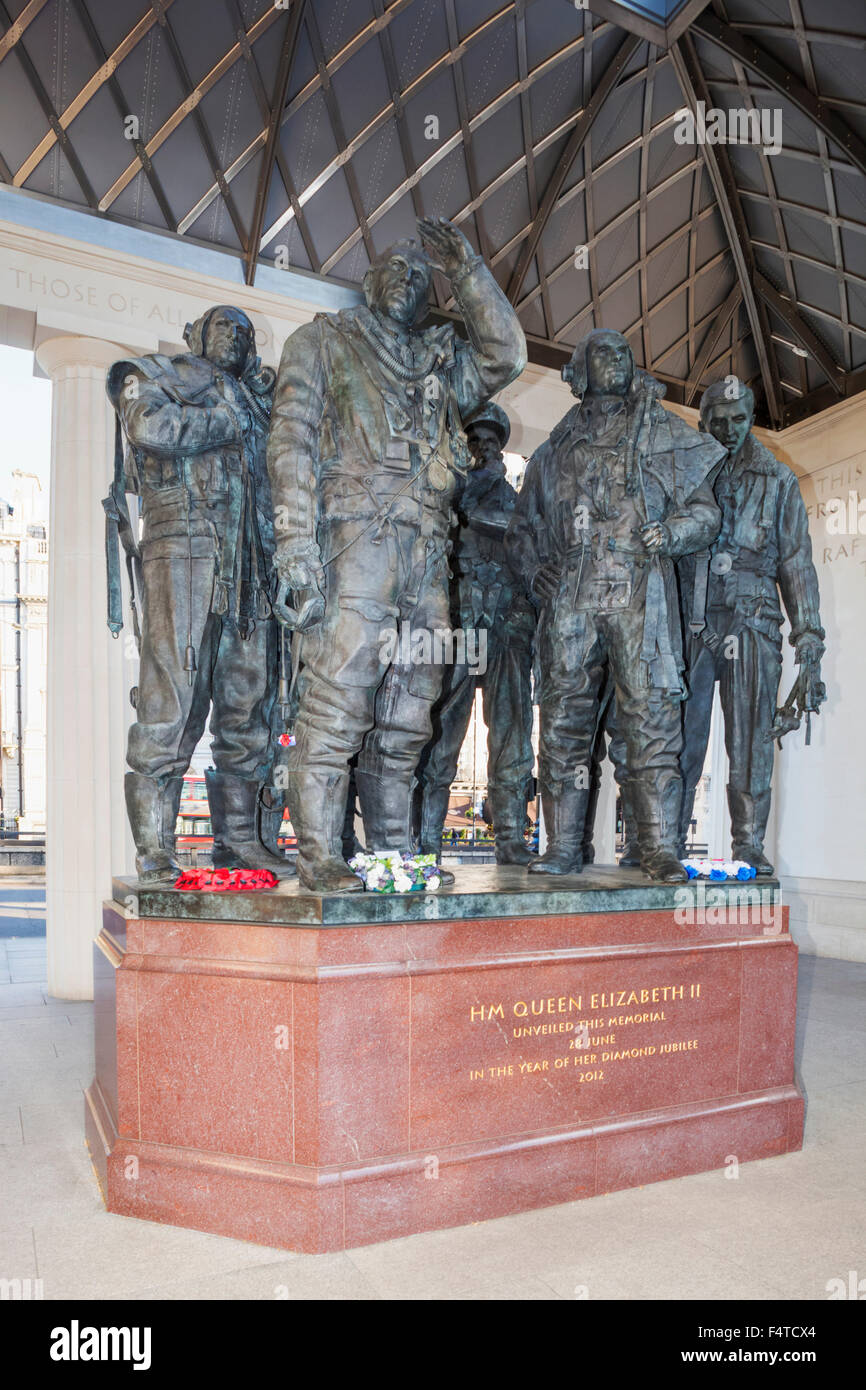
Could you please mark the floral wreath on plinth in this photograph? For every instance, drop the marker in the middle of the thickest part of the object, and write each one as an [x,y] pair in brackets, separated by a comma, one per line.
[227,880]
[719,869]
[389,871]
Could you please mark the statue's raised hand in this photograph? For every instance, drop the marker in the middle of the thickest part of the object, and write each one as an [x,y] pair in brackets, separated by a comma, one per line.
[445,244]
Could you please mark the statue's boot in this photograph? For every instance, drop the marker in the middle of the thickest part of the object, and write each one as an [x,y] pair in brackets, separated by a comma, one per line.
[564,817]
[234,815]
[657,808]
[317,806]
[630,857]
[350,845]
[386,810]
[509,818]
[587,849]
[271,806]
[435,801]
[152,804]
[749,815]
[686,813]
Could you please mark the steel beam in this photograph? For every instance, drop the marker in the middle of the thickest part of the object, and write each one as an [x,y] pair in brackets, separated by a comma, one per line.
[801,331]
[723,317]
[284,75]
[694,89]
[783,81]
[603,88]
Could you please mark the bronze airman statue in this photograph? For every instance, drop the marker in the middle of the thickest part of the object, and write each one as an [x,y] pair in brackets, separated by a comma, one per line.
[191,444]
[731,599]
[610,500]
[365,451]
[487,598]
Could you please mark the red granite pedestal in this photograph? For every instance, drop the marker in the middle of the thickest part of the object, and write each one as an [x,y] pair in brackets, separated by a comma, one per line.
[317,1087]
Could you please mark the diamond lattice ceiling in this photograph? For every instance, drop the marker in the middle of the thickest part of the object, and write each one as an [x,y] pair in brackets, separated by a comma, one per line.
[312,136]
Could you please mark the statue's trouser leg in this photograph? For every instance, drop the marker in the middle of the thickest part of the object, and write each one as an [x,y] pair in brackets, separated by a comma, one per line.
[748,690]
[450,718]
[343,660]
[650,722]
[507,696]
[244,690]
[360,693]
[171,713]
[573,660]
[402,724]
[701,679]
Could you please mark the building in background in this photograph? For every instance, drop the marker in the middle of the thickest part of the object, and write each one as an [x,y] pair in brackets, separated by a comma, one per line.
[23,650]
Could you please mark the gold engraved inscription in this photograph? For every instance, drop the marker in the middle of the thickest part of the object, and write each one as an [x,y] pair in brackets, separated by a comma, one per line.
[594,1037]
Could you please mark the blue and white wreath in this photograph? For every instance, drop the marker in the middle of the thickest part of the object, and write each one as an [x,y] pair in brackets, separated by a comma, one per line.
[719,869]
[392,872]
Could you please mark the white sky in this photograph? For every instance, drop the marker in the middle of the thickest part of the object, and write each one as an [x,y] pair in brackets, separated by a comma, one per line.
[25,420]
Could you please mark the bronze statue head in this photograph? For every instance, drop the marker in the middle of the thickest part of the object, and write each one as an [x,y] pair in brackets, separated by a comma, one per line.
[226,337]
[727,412]
[397,286]
[488,430]
[602,364]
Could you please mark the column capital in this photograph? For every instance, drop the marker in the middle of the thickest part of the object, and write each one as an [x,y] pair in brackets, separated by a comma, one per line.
[57,354]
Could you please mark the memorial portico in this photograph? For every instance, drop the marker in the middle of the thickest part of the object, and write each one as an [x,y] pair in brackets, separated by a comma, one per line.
[79,303]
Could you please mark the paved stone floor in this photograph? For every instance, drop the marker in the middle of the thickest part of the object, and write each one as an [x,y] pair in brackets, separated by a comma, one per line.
[782,1229]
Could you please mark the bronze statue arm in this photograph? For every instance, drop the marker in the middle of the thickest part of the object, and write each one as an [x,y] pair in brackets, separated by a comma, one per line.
[525,526]
[489,523]
[156,423]
[296,417]
[496,351]
[694,525]
[796,575]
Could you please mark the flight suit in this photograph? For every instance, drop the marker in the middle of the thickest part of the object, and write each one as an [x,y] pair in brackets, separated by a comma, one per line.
[366,448]
[194,441]
[762,549]
[488,598]
[608,469]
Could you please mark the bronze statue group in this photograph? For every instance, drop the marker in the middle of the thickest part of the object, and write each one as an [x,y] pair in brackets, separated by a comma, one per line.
[296,526]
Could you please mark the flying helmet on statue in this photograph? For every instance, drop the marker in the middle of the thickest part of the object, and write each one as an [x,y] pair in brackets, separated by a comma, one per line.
[258,378]
[574,372]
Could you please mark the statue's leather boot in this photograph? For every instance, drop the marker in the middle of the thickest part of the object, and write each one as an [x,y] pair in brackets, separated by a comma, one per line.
[271,807]
[509,818]
[152,804]
[686,812]
[587,848]
[435,801]
[658,811]
[749,816]
[630,857]
[350,845]
[386,810]
[234,815]
[564,818]
[317,806]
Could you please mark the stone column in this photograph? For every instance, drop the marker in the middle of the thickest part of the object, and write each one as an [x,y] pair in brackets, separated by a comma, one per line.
[89,673]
